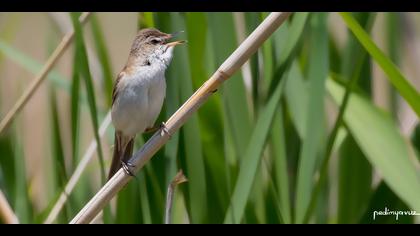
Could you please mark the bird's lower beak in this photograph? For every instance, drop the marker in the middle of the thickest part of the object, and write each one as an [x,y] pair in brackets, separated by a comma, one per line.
[172,44]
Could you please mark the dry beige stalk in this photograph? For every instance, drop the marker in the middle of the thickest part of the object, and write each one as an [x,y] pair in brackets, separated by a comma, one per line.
[141,157]
[6,212]
[52,60]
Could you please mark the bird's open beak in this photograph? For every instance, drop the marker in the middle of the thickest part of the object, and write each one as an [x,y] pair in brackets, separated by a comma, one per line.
[173,35]
[172,44]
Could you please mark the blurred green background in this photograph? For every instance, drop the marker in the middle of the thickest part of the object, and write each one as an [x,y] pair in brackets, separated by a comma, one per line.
[276,144]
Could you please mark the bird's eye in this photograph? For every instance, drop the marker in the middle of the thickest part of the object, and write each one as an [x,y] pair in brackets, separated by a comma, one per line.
[155,41]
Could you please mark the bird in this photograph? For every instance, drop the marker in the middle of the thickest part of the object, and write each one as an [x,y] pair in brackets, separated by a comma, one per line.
[139,92]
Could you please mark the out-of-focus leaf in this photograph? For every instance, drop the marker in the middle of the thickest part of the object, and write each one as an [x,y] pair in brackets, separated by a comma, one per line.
[296,93]
[144,200]
[210,117]
[353,189]
[85,73]
[9,30]
[59,177]
[406,90]
[354,53]
[382,144]
[103,57]
[394,33]
[280,165]
[57,144]
[195,168]
[312,145]
[415,139]
[252,159]
[156,195]
[22,203]
[129,206]
[7,160]
[233,91]
[146,20]
[7,166]
[31,65]
[296,29]
[268,65]
[75,110]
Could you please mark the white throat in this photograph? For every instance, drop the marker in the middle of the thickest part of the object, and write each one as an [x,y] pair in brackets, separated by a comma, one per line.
[162,56]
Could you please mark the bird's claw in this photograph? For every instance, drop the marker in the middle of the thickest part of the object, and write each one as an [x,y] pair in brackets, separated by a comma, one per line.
[127,168]
[164,130]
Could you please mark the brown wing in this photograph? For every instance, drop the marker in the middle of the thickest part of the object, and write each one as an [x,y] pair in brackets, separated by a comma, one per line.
[115,89]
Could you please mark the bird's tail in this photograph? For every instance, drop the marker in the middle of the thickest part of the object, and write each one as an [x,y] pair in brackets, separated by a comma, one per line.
[123,150]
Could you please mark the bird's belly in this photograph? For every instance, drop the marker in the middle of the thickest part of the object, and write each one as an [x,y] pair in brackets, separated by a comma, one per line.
[138,106]
[157,92]
[129,113]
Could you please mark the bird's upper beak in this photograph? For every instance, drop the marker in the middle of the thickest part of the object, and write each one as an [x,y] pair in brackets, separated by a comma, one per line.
[174,43]
[173,35]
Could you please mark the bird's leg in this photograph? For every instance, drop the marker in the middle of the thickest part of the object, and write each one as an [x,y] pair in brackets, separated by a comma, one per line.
[161,127]
[164,130]
[126,165]
[151,129]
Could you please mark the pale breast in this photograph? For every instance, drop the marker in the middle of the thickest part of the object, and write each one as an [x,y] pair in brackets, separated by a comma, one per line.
[139,101]
[157,92]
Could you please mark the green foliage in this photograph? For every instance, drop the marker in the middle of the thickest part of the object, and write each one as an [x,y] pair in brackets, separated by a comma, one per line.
[84,71]
[372,129]
[411,96]
[267,147]
[103,58]
[312,145]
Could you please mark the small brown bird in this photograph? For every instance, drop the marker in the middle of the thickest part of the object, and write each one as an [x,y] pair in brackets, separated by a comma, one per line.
[139,92]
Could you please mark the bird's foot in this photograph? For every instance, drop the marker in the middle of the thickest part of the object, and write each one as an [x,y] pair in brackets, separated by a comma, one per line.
[164,130]
[161,127]
[127,168]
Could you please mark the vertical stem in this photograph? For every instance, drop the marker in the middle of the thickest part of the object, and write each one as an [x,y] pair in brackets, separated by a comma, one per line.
[178,179]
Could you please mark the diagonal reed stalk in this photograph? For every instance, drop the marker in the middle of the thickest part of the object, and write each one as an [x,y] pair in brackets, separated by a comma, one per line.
[87,157]
[6,212]
[141,157]
[178,179]
[52,60]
